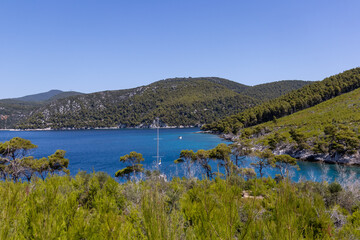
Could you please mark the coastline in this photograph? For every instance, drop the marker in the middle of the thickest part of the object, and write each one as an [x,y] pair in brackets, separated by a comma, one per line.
[307,155]
[102,128]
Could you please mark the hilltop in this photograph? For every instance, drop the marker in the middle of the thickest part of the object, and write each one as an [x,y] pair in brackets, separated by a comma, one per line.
[46,96]
[176,101]
[289,103]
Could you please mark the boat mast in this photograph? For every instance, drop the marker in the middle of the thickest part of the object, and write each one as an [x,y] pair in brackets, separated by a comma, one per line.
[158,143]
[158,157]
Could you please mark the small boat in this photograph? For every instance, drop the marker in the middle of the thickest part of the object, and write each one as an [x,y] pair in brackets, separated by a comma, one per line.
[180,137]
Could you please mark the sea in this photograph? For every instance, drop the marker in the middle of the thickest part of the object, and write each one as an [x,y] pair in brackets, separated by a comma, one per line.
[100,150]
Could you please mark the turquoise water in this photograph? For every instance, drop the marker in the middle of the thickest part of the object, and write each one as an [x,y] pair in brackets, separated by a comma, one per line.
[100,150]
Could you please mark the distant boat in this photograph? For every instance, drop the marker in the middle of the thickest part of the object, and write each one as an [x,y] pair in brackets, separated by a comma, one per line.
[180,137]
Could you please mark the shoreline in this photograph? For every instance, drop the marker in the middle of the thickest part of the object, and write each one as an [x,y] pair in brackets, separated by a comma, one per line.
[105,128]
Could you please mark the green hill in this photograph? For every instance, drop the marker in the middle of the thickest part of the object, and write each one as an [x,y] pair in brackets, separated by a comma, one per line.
[273,90]
[327,132]
[17,109]
[289,103]
[177,101]
[46,96]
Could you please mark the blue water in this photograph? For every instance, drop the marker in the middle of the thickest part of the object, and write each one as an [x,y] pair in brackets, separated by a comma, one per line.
[100,150]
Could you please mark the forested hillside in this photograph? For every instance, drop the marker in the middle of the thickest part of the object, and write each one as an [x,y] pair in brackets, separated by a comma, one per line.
[327,132]
[273,90]
[292,102]
[178,101]
[14,110]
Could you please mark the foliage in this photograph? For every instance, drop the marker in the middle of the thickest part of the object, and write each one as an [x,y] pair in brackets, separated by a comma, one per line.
[292,102]
[273,90]
[202,157]
[329,129]
[178,101]
[240,149]
[15,162]
[58,162]
[222,154]
[133,160]
[95,206]
[188,157]
[18,109]
[284,163]
[263,159]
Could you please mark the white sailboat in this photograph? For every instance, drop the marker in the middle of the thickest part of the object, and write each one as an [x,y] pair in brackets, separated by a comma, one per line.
[158,157]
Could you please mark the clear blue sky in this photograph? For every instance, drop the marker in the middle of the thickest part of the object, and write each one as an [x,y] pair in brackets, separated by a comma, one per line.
[89,46]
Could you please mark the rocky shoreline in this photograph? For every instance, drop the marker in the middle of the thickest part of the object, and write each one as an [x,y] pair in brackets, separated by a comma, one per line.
[307,155]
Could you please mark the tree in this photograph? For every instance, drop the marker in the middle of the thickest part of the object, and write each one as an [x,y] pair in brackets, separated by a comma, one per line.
[284,163]
[241,149]
[12,153]
[299,138]
[58,162]
[187,157]
[247,172]
[264,159]
[28,164]
[133,160]
[222,153]
[203,158]
[15,162]
[275,140]
[41,166]
[16,148]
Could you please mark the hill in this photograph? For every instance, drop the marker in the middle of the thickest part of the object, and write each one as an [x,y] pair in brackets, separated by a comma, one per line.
[14,110]
[46,96]
[273,90]
[177,102]
[39,97]
[326,132]
[289,103]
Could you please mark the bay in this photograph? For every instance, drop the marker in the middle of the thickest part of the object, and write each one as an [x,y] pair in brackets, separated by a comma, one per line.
[100,150]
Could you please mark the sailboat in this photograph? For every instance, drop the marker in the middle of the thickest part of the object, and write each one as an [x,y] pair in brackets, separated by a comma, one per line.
[158,157]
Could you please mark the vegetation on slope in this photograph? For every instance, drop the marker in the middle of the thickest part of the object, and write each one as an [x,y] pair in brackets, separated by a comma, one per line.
[13,111]
[294,101]
[40,97]
[267,91]
[327,131]
[179,101]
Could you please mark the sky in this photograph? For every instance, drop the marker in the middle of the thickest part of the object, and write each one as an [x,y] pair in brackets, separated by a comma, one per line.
[90,46]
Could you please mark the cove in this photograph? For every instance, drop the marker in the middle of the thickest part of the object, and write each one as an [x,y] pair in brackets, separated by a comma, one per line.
[100,150]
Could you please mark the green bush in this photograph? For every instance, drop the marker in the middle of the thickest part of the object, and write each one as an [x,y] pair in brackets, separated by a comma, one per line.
[95,206]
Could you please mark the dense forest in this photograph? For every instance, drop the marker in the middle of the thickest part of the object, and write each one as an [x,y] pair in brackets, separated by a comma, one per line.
[178,101]
[289,103]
